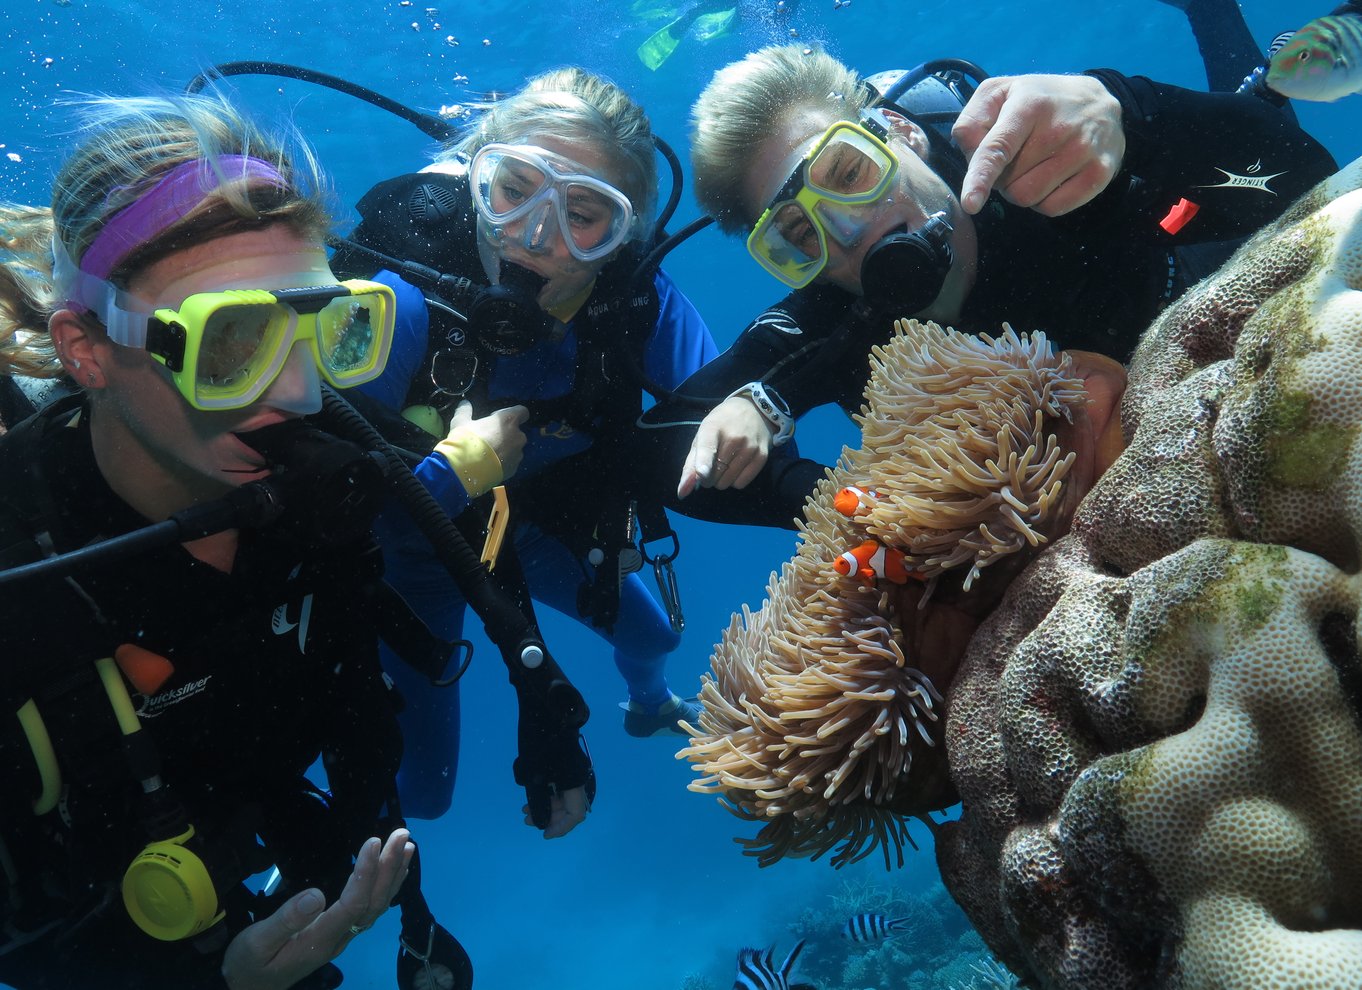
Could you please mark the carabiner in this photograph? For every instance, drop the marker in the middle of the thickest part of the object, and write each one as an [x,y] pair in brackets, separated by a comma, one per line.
[667,585]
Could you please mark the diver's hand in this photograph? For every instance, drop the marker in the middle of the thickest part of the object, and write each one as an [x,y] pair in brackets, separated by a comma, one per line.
[1051,143]
[729,449]
[566,812]
[499,430]
[280,950]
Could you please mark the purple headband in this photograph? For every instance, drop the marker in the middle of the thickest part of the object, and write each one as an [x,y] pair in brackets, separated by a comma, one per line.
[165,204]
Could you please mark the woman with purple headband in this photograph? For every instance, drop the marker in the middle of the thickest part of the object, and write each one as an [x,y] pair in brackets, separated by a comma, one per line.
[171,702]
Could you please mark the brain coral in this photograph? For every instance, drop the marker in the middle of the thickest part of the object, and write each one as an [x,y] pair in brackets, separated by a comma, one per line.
[1157,736]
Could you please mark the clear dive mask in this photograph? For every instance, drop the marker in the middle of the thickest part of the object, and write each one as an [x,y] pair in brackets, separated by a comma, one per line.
[551,196]
[835,191]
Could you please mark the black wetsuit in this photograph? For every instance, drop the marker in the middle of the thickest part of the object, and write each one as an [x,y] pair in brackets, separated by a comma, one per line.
[274,665]
[1093,279]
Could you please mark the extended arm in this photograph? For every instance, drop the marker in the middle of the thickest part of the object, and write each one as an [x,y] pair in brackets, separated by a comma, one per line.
[787,348]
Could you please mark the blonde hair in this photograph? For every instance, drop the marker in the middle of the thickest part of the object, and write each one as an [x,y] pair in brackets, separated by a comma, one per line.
[130,144]
[748,102]
[578,107]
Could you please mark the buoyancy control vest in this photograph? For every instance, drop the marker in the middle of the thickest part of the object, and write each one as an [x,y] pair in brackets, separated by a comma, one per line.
[77,759]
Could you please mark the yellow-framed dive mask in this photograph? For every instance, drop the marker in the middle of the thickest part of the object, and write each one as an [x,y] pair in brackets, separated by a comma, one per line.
[830,193]
[224,349]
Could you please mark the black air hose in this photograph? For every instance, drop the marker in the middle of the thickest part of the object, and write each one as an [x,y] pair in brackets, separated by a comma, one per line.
[506,624]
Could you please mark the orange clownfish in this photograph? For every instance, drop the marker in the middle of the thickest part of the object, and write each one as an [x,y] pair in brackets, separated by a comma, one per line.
[875,561]
[848,501]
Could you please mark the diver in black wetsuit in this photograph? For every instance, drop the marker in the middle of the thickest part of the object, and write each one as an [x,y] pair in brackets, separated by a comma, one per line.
[1080,206]
[218,633]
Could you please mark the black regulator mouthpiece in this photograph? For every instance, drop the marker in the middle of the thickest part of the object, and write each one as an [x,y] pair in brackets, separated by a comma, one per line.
[330,490]
[506,318]
[904,271]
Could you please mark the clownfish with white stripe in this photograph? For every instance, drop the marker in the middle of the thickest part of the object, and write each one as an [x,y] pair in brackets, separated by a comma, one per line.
[875,562]
[851,501]
[873,927]
[756,971]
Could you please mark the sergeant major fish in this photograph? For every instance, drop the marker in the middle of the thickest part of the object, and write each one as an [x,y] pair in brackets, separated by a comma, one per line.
[873,927]
[756,971]
[1322,61]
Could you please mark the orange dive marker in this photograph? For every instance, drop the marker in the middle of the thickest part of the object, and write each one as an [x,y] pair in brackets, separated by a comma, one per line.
[1178,215]
[145,670]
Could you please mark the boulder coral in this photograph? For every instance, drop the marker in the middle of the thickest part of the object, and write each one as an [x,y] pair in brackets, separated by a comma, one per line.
[1157,735]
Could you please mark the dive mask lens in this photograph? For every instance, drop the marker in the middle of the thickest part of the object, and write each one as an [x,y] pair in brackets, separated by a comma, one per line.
[507,183]
[236,345]
[789,243]
[596,217]
[850,165]
[354,335]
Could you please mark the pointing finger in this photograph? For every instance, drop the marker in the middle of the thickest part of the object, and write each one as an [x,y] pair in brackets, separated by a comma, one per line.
[1007,132]
[463,414]
[979,115]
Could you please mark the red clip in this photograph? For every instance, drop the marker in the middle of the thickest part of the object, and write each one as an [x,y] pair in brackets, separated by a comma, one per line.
[1181,212]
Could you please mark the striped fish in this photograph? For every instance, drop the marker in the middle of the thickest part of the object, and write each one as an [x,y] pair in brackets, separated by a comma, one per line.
[1278,43]
[873,927]
[756,971]
[1322,61]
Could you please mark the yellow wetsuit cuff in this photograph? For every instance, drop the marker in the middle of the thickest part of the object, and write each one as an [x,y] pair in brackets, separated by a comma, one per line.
[473,460]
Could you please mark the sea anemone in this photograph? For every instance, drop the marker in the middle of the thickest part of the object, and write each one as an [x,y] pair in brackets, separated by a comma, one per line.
[956,444]
[816,718]
[813,714]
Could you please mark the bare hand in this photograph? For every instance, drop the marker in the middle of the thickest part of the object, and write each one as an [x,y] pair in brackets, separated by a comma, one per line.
[1051,143]
[499,430]
[278,951]
[566,812]
[729,450]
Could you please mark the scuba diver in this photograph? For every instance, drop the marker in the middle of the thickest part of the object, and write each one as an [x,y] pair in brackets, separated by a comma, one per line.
[193,594]
[1078,205]
[531,312]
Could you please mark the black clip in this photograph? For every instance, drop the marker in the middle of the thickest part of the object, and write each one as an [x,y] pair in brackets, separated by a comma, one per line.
[667,585]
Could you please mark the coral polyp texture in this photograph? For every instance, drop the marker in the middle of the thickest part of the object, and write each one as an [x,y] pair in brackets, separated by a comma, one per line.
[1157,736]
[820,721]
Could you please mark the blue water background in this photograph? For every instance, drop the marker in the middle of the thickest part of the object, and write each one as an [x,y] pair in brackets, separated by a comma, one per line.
[652,888]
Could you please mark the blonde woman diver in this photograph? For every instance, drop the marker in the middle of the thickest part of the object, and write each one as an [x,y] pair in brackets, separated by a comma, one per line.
[546,206]
[167,716]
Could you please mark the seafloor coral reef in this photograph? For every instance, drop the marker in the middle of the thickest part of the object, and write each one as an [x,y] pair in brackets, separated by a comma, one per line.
[1157,737]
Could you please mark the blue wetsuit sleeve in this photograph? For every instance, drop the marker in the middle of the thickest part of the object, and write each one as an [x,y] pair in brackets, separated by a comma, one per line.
[410,334]
[681,344]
